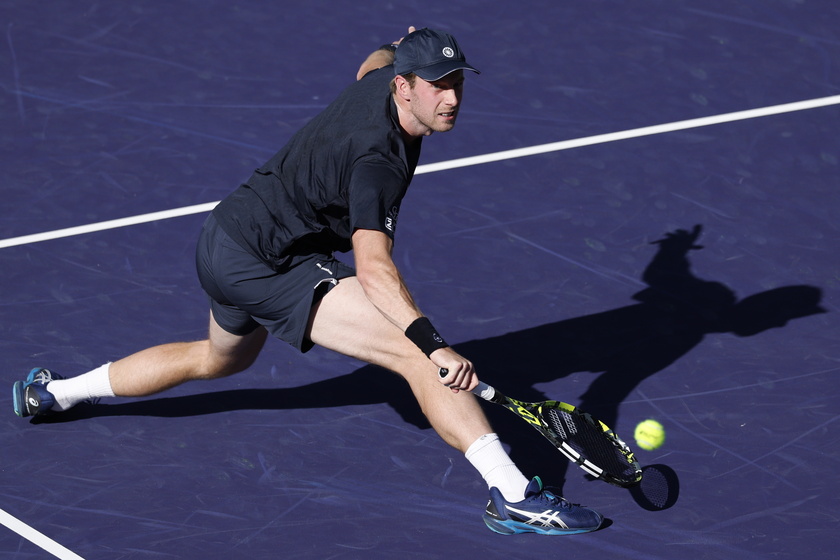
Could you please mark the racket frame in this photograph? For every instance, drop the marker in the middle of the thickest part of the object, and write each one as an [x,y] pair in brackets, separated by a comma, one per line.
[534,414]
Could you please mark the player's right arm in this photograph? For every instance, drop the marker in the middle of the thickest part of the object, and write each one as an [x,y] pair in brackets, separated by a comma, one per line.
[386,290]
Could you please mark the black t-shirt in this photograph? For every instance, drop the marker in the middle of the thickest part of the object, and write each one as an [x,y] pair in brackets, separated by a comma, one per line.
[347,169]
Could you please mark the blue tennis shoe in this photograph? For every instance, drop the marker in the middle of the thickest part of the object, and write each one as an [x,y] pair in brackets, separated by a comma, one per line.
[541,512]
[31,397]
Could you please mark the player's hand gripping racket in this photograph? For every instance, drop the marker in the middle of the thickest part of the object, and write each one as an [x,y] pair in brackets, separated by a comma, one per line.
[584,440]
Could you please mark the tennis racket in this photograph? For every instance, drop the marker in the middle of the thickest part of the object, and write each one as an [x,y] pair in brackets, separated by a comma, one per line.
[584,440]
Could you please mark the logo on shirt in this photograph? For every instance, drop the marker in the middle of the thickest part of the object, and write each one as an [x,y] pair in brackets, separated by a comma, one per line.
[391,220]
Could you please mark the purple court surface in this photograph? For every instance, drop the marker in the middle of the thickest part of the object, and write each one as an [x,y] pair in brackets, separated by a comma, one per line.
[688,273]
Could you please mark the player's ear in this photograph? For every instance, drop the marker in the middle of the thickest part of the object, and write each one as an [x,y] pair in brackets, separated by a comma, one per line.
[402,87]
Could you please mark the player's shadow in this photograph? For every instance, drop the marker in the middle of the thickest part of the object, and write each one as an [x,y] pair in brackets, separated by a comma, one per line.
[627,345]
[623,346]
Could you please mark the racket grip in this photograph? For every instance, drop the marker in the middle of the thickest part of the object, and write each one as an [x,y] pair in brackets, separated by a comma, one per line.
[482,390]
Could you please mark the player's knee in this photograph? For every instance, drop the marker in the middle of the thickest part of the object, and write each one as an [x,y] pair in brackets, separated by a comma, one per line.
[217,370]
[216,367]
[231,365]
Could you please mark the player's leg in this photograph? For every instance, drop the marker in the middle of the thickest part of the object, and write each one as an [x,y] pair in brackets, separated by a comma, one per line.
[144,373]
[233,342]
[345,321]
[162,367]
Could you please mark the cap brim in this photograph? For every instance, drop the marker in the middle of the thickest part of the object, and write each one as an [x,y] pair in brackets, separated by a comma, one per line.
[437,71]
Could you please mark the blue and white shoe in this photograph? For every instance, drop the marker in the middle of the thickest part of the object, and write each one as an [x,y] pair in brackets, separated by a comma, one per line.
[31,397]
[541,512]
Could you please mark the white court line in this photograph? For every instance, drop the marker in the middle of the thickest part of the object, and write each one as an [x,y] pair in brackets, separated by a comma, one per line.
[37,538]
[110,224]
[634,133]
[462,162]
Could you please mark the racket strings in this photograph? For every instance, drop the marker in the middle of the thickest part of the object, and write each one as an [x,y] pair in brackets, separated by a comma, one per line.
[591,443]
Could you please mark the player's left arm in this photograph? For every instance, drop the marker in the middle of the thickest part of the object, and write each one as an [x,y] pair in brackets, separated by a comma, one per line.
[379,58]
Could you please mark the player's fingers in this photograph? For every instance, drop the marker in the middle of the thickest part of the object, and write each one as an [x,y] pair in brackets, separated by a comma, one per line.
[411,29]
[451,377]
[460,378]
[472,382]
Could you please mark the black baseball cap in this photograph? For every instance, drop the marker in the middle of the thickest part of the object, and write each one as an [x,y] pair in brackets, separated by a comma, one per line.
[429,54]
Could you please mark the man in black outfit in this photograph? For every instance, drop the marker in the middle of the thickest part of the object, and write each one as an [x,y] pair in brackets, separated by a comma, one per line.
[266,259]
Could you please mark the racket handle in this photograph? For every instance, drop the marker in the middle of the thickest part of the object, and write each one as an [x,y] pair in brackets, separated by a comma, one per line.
[483,390]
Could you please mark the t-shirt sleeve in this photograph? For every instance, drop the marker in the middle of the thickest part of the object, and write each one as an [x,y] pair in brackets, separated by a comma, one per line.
[375,193]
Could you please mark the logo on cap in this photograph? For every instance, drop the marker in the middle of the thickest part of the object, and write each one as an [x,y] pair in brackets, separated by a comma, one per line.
[448,52]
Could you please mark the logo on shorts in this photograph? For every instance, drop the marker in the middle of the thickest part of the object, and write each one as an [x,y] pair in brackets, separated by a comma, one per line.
[448,52]
[391,220]
[324,268]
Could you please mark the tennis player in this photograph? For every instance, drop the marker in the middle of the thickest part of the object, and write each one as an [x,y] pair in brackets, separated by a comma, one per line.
[266,259]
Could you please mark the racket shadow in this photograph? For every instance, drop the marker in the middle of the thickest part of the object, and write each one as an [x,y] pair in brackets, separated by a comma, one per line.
[659,489]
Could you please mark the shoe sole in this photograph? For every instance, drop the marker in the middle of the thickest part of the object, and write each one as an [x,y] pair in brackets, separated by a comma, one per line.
[518,528]
[18,398]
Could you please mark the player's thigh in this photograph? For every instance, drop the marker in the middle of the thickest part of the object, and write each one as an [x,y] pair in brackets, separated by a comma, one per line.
[345,321]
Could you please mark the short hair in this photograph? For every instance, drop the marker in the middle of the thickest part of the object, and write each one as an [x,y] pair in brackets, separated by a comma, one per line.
[411,78]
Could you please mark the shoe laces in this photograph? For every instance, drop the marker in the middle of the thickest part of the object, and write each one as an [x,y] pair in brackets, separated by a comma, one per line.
[44,376]
[549,497]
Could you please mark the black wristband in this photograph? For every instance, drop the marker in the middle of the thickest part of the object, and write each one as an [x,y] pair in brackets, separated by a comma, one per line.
[389,47]
[423,334]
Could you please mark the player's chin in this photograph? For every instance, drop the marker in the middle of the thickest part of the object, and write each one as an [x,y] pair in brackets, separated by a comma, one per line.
[444,124]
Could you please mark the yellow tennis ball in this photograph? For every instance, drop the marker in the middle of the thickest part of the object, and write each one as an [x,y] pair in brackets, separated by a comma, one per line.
[649,435]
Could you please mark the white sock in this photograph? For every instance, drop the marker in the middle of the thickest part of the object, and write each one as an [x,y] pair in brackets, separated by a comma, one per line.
[70,392]
[493,463]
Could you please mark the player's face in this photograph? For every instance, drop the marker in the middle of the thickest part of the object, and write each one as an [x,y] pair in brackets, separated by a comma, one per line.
[435,105]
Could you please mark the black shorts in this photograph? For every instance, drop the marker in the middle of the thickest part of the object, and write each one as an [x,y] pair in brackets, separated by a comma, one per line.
[246,293]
